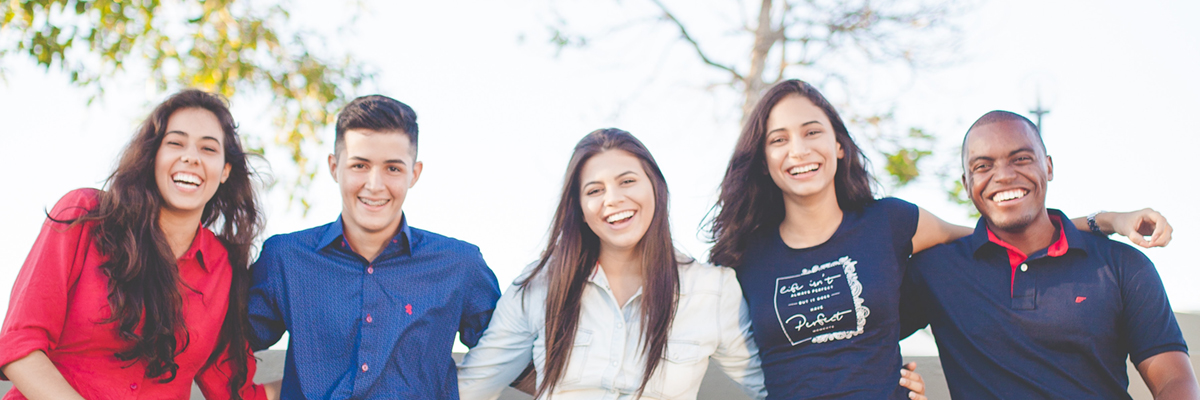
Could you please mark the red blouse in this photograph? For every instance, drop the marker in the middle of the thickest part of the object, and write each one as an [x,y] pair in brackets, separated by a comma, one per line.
[61,295]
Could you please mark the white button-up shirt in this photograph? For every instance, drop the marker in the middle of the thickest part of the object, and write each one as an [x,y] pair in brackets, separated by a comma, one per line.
[711,320]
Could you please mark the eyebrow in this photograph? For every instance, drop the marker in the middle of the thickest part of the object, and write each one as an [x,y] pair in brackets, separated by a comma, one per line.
[801,125]
[391,161]
[178,132]
[1010,154]
[618,175]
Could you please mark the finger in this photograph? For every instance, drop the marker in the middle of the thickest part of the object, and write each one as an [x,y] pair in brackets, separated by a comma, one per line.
[915,396]
[1137,239]
[1162,231]
[911,366]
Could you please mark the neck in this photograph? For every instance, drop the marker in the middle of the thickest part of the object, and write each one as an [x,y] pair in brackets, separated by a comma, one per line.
[811,220]
[620,262]
[368,244]
[179,229]
[1030,237]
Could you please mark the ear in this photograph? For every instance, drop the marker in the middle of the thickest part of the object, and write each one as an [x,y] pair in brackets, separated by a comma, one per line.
[966,183]
[1049,168]
[333,167]
[841,152]
[225,172]
[416,171]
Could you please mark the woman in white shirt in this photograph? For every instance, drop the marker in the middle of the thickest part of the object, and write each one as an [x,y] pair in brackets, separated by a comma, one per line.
[611,310]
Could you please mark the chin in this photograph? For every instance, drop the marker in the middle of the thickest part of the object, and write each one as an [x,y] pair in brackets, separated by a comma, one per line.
[1013,222]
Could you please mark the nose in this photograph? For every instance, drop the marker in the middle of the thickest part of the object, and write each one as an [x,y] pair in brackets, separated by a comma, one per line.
[190,155]
[798,148]
[614,196]
[374,179]
[1003,172]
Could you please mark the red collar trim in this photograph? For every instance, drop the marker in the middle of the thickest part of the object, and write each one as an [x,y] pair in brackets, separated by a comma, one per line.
[1016,257]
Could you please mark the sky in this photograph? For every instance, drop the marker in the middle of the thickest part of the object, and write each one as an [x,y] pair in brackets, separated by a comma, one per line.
[500,110]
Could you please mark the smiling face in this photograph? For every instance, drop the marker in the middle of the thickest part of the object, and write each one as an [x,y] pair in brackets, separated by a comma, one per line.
[1007,171]
[617,199]
[190,163]
[374,171]
[801,149]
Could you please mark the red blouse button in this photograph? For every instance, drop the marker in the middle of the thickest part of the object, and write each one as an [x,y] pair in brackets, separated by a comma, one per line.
[132,386]
[364,368]
[369,318]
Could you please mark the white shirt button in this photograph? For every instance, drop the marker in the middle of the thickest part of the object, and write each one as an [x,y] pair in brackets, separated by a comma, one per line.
[364,367]
[1024,267]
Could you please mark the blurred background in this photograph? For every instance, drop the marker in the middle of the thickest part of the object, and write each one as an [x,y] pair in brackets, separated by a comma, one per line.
[503,91]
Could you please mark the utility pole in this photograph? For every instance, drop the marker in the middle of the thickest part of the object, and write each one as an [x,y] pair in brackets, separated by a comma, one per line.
[1039,111]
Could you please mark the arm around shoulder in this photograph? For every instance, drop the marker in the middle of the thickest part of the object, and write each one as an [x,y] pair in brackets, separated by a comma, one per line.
[932,231]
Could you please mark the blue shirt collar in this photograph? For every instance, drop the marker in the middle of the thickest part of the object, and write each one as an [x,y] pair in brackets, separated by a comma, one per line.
[334,235]
[979,238]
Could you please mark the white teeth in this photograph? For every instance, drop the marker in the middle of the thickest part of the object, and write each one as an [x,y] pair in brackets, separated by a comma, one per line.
[373,203]
[619,216]
[187,178]
[802,169]
[1009,195]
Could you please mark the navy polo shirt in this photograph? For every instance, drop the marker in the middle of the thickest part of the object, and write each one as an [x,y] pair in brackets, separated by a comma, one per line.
[826,318]
[1055,327]
[369,330]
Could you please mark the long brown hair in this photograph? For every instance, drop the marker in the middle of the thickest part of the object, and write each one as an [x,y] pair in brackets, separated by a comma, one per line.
[143,275]
[573,251]
[750,201]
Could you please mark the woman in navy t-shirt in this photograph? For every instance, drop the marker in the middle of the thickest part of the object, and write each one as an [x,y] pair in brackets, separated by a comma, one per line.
[819,259]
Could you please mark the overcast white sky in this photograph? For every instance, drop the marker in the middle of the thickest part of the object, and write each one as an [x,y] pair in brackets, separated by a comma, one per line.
[499,114]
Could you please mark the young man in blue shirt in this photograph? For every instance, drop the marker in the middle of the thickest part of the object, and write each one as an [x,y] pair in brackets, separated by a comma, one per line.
[1076,305]
[371,304]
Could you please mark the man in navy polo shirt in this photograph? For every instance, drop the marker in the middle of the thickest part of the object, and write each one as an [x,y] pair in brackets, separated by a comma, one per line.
[371,304]
[1075,306]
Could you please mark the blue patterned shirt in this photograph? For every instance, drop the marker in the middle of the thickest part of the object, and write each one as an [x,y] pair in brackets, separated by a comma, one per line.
[365,330]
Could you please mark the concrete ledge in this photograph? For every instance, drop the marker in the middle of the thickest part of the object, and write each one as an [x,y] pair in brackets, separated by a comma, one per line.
[717,386]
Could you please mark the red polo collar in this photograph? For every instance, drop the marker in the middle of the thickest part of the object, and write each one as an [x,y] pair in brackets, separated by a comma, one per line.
[1016,257]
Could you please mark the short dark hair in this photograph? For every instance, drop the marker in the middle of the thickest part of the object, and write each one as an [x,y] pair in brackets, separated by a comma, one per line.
[1001,116]
[378,113]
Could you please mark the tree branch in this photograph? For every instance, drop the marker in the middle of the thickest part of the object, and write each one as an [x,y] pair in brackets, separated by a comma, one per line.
[688,37]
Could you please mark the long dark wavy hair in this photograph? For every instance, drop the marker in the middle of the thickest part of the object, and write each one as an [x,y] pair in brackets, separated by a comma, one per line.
[750,201]
[143,276]
[573,251]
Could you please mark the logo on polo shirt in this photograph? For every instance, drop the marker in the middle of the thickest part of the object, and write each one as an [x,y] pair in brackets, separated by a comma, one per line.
[822,303]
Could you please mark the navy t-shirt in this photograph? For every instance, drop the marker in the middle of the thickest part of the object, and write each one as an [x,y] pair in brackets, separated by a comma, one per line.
[1056,327]
[826,318]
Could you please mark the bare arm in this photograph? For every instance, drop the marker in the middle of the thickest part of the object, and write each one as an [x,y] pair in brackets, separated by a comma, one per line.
[1169,376]
[272,389]
[932,231]
[1134,225]
[37,378]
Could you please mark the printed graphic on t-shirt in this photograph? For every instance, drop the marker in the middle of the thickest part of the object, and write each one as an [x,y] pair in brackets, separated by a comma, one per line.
[822,303]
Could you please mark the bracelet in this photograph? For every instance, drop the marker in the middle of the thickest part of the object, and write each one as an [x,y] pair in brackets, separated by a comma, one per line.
[1091,220]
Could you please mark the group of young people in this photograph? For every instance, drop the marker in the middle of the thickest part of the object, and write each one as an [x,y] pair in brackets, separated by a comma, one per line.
[142,288]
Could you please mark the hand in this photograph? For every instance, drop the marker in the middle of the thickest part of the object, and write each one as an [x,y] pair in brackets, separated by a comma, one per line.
[1136,225]
[911,380]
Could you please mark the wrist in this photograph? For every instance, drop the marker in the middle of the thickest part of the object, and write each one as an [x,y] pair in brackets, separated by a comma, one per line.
[1095,221]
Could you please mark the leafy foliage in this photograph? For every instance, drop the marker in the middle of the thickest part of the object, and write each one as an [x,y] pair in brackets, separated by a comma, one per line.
[231,47]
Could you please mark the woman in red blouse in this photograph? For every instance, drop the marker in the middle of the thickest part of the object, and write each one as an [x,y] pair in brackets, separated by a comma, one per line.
[126,292]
